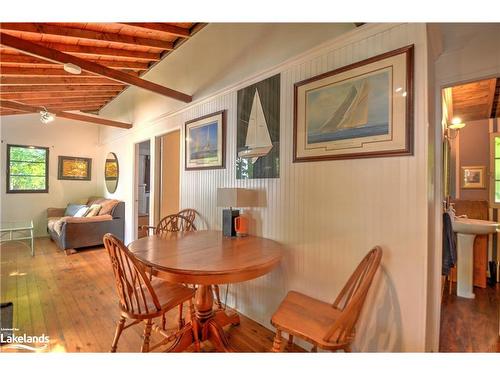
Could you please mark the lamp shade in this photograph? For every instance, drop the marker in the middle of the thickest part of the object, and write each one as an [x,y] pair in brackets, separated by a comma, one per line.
[236,197]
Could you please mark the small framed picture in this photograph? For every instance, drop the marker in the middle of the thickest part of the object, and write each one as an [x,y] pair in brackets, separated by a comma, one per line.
[205,139]
[474,177]
[74,168]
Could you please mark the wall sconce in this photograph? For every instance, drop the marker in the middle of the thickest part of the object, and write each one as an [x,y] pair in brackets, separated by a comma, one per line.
[453,129]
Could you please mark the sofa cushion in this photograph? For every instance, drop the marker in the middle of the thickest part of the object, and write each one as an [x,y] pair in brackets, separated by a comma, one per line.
[73,208]
[93,210]
[107,206]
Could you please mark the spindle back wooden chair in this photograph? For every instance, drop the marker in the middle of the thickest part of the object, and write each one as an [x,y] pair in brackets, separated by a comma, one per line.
[328,326]
[172,223]
[189,213]
[140,298]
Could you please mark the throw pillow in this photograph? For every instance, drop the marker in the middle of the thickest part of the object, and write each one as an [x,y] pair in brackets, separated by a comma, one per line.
[107,206]
[72,209]
[81,212]
[93,210]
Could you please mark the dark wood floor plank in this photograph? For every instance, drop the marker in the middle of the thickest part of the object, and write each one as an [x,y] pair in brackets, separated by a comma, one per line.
[470,325]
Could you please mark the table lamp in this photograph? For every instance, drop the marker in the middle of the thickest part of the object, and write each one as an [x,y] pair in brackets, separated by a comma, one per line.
[233,197]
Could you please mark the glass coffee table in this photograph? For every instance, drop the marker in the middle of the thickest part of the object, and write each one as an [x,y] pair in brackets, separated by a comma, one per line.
[17,231]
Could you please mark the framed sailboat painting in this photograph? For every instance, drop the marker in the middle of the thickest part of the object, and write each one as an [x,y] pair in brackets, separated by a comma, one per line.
[205,139]
[258,130]
[362,110]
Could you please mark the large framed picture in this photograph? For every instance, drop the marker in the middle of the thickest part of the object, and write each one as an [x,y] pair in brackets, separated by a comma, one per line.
[74,168]
[362,110]
[205,142]
[258,130]
[474,177]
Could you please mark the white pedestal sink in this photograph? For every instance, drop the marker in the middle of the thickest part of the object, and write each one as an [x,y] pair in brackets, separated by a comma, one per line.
[466,230]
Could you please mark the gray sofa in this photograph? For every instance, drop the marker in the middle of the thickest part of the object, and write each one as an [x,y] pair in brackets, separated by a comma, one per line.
[72,233]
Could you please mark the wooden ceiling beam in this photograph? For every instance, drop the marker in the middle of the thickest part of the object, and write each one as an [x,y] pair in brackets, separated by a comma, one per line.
[76,49]
[40,72]
[161,27]
[73,116]
[59,88]
[20,96]
[57,56]
[68,32]
[17,60]
[63,101]
[56,71]
[57,81]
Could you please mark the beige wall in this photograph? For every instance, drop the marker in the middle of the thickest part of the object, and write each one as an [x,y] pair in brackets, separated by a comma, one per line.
[170,173]
[328,214]
[63,137]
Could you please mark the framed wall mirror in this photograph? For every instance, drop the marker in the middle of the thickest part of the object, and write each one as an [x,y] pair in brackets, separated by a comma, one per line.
[111,172]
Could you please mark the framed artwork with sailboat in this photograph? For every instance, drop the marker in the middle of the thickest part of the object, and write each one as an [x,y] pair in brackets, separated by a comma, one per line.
[258,130]
[205,142]
[362,110]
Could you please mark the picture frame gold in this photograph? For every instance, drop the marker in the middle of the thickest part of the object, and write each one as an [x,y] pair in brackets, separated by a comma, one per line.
[74,168]
[473,177]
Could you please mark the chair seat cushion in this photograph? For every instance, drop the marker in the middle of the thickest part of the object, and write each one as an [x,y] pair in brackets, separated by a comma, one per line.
[169,294]
[305,317]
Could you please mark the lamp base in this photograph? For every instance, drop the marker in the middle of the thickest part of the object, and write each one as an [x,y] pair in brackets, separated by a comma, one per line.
[228,227]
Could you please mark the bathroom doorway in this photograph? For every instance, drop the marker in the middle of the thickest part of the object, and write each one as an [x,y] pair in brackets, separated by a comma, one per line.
[470,298]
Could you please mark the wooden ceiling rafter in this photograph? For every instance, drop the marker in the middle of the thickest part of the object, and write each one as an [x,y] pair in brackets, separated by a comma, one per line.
[61,57]
[161,27]
[58,95]
[29,61]
[12,105]
[112,56]
[73,33]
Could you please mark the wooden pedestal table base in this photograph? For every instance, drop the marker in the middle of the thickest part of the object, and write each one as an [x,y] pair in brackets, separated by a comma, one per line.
[207,258]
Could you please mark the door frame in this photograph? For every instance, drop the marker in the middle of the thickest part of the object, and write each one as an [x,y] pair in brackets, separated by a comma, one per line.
[434,281]
[135,184]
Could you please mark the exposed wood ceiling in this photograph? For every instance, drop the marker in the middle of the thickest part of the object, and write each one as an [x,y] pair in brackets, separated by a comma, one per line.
[477,100]
[112,57]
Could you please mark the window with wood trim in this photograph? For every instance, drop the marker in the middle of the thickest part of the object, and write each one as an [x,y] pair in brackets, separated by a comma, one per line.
[495,170]
[27,169]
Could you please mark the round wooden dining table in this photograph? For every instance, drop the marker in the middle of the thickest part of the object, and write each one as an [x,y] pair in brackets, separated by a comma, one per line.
[207,258]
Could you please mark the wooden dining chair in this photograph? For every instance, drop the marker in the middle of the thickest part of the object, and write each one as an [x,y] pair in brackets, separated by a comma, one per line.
[188,213]
[141,299]
[172,223]
[327,326]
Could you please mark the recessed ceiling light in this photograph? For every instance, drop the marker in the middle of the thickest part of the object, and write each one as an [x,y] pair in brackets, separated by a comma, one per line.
[72,68]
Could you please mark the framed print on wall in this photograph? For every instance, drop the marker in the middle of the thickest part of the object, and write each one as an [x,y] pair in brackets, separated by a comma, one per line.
[361,110]
[74,168]
[258,130]
[474,177]
[205,142]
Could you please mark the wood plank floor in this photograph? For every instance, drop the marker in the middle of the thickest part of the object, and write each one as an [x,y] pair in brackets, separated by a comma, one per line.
[470,325]
[73,300]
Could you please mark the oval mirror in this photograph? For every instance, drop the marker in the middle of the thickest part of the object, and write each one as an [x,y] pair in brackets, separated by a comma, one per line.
[111,172]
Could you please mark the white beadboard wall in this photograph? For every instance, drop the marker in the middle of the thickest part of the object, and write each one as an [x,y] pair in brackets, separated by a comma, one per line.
[328,214]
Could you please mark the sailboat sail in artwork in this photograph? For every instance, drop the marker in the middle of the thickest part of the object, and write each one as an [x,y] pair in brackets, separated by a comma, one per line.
[352,112]
[258,141]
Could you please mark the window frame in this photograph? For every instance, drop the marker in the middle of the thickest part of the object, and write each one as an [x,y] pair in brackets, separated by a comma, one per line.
[492,168]
[16,191]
